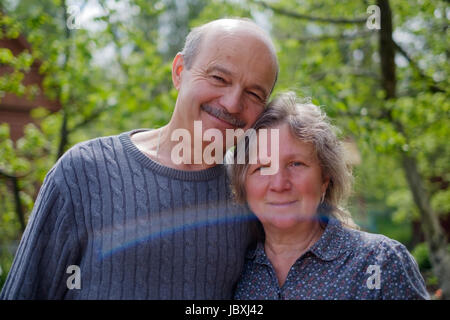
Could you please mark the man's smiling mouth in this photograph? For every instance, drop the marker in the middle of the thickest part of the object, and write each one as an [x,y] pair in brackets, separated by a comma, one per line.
[223,116]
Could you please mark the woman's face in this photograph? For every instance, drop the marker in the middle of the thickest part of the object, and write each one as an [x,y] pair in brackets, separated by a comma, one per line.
[292,195]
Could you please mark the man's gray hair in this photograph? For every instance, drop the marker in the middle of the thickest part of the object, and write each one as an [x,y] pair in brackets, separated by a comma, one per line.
[192,44]
[309,124]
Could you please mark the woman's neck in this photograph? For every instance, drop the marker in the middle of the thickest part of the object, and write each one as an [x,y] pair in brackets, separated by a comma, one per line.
[284,247]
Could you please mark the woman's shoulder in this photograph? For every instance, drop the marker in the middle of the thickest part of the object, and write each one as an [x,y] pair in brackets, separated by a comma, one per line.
[366,241]
[378,246]
[339,238]
[387,260]
[399,274]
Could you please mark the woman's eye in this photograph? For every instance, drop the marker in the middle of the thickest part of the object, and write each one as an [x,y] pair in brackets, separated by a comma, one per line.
[257,169]
[296,164]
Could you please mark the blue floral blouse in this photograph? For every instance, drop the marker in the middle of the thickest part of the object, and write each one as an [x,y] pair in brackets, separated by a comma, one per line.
[343,264]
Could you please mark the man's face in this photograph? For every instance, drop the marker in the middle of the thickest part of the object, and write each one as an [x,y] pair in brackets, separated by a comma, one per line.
[228,83]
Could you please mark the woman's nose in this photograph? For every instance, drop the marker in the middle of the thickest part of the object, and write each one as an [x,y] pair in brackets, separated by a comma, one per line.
[280,181]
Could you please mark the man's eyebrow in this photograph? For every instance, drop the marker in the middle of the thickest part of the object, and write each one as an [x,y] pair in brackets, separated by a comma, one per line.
[220,69]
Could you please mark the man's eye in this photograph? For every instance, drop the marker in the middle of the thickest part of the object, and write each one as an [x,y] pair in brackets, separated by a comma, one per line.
[255,95]
[218,78]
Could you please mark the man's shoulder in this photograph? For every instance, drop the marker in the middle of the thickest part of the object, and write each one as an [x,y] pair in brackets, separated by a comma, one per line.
[92,149]
[86,154]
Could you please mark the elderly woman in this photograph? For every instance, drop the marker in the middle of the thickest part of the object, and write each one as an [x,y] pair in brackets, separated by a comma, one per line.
[309,247]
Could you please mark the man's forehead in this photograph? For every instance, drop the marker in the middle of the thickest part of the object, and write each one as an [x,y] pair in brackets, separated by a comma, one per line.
[219,44]
[233,25]
[236,31]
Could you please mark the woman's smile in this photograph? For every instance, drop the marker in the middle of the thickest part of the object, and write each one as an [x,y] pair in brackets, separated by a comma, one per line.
[282,204]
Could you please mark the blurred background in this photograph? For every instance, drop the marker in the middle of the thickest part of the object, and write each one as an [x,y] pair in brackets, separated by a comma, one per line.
[76,70]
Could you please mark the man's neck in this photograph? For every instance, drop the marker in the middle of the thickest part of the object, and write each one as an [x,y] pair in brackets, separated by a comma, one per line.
[158,146]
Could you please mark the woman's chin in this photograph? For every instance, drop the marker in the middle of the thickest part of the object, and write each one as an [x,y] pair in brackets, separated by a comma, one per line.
[284,222]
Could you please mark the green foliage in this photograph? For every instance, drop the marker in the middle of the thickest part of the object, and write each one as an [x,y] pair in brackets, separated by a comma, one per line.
[421,254]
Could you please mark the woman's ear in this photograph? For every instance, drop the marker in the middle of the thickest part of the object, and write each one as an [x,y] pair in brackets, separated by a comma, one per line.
[325,183]
[177,68]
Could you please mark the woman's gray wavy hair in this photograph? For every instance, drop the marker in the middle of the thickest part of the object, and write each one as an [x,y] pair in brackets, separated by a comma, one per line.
[310,124]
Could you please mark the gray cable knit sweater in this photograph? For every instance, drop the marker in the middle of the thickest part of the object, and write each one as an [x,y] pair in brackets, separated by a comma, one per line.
[135,229]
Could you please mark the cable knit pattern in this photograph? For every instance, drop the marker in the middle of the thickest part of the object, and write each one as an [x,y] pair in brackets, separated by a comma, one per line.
[90,175]
[136,229]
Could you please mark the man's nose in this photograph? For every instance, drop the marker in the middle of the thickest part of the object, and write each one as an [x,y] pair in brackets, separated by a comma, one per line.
[232,100]
[280,181]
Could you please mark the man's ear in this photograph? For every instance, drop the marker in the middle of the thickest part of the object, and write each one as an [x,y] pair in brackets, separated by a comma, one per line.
[177,68]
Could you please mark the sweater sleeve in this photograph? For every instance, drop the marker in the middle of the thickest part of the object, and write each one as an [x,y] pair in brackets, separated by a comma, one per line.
[48,246]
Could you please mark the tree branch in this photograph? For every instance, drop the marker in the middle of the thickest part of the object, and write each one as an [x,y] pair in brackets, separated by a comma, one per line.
[10,175]
[115,38]
[18,202]
[311,18]
[64,133]
[432,86]
[7,175]
[341,36]
[89,118]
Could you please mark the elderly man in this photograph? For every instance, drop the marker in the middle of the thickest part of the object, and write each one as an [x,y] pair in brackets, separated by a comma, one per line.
[118,218]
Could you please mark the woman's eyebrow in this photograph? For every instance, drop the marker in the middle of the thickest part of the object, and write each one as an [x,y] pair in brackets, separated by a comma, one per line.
[302,156]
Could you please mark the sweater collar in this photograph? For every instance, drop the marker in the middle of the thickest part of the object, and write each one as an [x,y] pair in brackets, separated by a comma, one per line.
[200,175]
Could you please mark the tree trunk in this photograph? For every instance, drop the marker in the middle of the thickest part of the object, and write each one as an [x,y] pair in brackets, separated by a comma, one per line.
[64,132]
[434,235]
[63,135]
[18,202]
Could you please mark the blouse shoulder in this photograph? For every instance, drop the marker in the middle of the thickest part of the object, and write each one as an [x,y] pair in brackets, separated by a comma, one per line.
[399,273]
